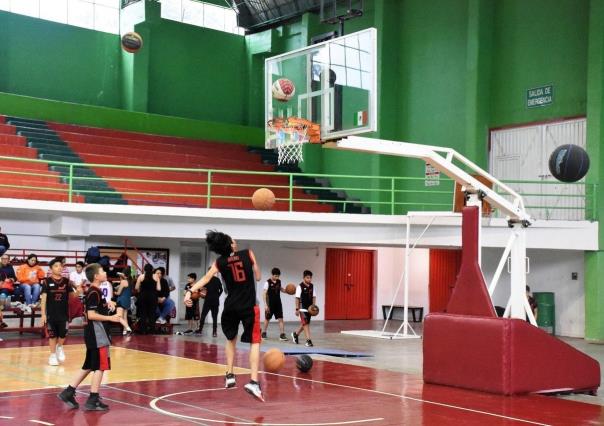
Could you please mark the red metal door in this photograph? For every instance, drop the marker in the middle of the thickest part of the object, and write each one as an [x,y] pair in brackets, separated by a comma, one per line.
[348,284]
[444,267]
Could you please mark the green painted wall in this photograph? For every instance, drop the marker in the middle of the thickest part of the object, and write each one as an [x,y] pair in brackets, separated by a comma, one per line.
[196,73]
[536,43]
[64,112]
[48,60]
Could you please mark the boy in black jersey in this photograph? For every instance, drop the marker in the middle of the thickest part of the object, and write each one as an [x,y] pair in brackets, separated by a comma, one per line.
[240,271]
[305,296]
[55,310]
[97,338]
[272,303]
[211,303]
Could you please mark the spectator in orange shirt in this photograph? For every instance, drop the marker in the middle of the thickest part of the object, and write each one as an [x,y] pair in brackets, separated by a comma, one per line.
[29,275]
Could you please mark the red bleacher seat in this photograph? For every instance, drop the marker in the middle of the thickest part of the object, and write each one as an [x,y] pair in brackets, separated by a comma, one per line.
[116,147]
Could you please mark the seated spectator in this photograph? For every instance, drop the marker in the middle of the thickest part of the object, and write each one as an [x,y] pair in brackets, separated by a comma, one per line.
[167,278]
[29,276]
[78,277]
[4,244]
[165,305]
[7,276]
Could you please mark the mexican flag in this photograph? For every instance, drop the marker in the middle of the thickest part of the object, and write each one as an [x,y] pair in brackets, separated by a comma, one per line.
[360,118]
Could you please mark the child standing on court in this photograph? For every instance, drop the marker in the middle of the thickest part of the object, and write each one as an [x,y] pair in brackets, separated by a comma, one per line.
[191,312]
[272,303]
[96,336]
[55,310]
[305,296]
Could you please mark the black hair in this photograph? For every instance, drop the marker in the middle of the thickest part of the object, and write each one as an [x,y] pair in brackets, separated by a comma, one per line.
[32,255]
[148,271]
[61,258]
[91,270]
[307,273]
[82,264]
[162,269]
[275,271]
[192,275]
[219,242]
[53,261]
[528,288]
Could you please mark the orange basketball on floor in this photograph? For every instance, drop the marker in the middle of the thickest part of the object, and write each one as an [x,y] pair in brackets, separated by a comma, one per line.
[263,199]
[290,288]
[313,310]
[274,360]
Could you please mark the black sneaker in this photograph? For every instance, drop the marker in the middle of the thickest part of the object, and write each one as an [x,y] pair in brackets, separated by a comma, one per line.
[187,332]
[263,335]
[68,397]
[295,337]
[198,332]
[253,388]
[283,337]
[309,343]
[95,405]
[229,380]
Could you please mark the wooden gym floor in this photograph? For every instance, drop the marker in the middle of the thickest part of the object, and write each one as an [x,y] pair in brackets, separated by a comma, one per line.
[171,380]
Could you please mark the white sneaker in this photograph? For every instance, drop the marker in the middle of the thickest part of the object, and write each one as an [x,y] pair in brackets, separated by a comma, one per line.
[60,353]
[162,321]
[52,360]
[253,389]
[26,310]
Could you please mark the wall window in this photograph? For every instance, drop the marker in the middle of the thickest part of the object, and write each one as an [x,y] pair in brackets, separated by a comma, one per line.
[201,14]
[100,15]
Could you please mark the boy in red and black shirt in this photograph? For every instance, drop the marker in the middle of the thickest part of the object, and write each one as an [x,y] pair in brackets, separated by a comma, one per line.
[305,296]
[96,336]
[55,310]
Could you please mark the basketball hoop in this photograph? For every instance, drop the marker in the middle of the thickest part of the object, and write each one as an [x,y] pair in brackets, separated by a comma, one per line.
[289,136]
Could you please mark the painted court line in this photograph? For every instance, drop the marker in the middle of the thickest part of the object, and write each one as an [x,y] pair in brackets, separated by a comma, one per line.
[41,422]
[153,404]
[153,397]
[418,400]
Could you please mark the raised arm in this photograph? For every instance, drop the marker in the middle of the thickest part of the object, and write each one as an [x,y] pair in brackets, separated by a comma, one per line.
[255,266]
[200,284]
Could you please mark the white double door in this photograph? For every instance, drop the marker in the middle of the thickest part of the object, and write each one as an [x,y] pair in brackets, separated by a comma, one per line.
[522,154]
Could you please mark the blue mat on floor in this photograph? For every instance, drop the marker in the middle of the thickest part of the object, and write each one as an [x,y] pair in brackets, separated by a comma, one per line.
[324,351]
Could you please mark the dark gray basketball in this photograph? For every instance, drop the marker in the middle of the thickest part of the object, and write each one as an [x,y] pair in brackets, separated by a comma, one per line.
[569,163]
[304,363]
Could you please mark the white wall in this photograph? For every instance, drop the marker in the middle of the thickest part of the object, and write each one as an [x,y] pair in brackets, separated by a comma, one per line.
[550,269]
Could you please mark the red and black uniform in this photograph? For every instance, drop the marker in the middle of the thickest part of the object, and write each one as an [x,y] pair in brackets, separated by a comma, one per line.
[96,333]
[305,292]
[273,293]
[57,305]
[240,305]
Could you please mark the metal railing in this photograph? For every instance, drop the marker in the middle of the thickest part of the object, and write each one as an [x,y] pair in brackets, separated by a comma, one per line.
[218,188]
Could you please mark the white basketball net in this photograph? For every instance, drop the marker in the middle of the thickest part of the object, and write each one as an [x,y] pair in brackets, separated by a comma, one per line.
[289,140]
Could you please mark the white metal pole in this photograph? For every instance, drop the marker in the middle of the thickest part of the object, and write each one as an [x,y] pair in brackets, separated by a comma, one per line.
[502,261]
[518,273]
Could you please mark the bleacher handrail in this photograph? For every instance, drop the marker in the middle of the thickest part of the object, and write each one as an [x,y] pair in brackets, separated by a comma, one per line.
[380,185]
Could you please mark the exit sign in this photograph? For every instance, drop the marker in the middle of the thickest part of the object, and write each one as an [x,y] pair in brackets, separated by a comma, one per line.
[540,96]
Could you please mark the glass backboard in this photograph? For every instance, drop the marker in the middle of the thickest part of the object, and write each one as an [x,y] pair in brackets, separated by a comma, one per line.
[323,92]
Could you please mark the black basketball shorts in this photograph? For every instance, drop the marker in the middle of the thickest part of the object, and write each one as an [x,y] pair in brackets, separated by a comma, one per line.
[56,329]
[274,311]
[249,318]
[97,359]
